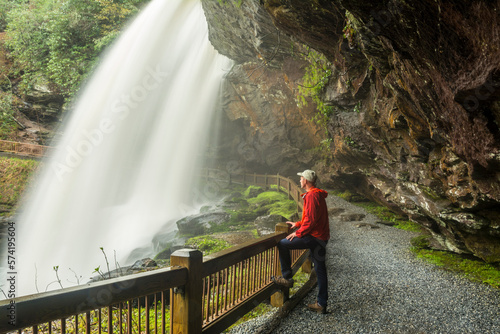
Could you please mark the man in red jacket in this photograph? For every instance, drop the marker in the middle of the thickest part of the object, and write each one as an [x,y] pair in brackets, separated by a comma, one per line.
[313,233]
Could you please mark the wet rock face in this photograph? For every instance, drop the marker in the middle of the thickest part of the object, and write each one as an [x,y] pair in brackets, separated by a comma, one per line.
[416,93]
[43,105]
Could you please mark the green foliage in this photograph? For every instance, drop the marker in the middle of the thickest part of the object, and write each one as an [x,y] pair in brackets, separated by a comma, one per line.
[263,308]
[349,31]
[15,175]
[315,79]
[349,141]
[207,244]
[5,7]
[473,269]
[99,320]
[57,42]
[7,110]
[357,107]
[323,149]
[300,278]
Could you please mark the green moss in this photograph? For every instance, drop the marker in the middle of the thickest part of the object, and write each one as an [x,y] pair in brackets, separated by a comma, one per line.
[389,217]
[420,242]
[474,269]
[431,193]
[407,225]
[349,196]
[207,244]
[165,253]
[316,78]
[274,203]
[15,175]
[252,191]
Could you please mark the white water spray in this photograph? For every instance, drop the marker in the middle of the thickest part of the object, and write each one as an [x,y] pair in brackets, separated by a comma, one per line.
[130,150]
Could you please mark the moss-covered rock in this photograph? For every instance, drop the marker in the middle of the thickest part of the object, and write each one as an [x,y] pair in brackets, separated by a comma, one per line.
[207,244]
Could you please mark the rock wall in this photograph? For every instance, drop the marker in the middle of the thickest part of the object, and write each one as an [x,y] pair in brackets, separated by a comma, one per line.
[416,97]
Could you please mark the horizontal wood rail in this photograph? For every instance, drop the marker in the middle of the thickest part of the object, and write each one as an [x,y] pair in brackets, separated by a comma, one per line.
[206,295]
[48,307]
[25,149]
[282,183]
[230,283]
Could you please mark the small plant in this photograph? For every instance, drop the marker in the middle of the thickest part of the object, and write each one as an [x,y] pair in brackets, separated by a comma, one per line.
[349,32]
[58,280]
[349,141]
[357,107]
[97,270]
[107,262]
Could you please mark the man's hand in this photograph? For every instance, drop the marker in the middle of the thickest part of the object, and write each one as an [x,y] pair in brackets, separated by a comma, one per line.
[292,224]
[291,236]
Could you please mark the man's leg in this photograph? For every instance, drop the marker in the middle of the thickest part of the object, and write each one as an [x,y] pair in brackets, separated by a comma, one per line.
[284,247]
[318,253]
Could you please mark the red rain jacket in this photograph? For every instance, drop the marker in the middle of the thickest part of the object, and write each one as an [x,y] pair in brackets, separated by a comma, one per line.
[314,215]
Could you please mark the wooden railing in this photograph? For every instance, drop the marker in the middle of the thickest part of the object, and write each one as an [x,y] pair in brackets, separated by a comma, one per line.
[24,148]
[263,180]
[205,295]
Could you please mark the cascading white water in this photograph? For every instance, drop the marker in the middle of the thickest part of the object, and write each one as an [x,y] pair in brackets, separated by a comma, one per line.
[130,150]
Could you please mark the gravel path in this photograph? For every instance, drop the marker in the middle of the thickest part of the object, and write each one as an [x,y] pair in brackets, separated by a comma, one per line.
[377,286]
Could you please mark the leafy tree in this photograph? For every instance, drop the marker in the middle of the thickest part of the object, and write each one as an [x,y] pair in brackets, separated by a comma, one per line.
[5,7]
[56,43]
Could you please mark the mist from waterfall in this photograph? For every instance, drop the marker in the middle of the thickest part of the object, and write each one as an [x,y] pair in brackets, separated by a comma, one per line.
[128,159]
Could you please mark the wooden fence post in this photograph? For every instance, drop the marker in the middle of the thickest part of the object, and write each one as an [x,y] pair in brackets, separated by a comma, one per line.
[280,297]
[185,302]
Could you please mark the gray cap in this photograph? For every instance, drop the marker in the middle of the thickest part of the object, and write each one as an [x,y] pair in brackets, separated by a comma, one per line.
[309,175]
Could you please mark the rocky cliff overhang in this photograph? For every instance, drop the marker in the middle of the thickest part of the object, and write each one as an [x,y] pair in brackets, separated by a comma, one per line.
[415,92]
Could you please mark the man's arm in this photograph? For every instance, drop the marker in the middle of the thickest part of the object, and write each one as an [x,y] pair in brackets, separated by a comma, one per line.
[310,215]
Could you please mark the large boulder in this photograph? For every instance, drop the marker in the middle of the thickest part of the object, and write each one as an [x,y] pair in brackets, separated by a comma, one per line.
[415,90]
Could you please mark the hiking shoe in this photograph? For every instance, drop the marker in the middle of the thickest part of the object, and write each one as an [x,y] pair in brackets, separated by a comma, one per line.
[317,308]
[280,280]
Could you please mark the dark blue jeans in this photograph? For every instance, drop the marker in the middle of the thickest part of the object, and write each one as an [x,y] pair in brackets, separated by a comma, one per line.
[318,253]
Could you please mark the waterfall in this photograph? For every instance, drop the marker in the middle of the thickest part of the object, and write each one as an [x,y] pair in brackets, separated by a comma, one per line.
[130,152]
